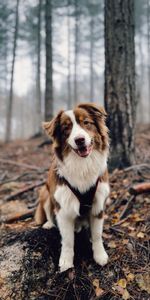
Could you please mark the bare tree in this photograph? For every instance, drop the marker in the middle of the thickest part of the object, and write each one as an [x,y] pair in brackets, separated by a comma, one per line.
[38,80]
[91,58]
[49,69]
[76,45]
[69,102]
[10,100]
[120,79]
[148,45]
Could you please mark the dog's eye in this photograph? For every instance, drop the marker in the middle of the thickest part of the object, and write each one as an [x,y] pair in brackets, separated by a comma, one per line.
[66,127]
[86,122]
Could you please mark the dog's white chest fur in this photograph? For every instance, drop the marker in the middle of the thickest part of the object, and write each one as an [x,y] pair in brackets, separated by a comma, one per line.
[80,172]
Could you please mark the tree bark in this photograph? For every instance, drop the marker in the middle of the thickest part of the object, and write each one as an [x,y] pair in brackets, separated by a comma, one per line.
[91,59]
[38,81]
[76,52]
[120,79]
[69,102]
[10,101]
[148,46]
[49,58]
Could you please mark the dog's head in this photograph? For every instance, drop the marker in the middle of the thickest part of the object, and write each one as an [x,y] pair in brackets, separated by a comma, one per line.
[80,130]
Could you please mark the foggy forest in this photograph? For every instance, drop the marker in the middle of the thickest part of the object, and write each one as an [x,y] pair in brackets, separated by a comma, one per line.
[55,55]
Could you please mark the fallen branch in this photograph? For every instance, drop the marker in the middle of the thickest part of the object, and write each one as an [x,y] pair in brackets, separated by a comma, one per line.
[140,188]
[127,208]
[15,163]
[20,217]
[120,222]
[13,179]
[134,167]
[29,188]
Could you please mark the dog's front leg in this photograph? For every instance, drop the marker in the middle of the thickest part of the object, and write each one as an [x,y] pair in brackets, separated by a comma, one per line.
[66,227]
[97,220]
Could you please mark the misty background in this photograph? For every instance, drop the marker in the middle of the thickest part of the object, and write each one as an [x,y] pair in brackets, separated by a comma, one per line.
[78,59]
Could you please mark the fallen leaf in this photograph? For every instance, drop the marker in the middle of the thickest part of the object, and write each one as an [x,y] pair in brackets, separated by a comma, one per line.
[143,281]
[130,277]
[112,244]
[122,282]
[125,241]
[125,295]
[140,235]
[119,289]
[132,233]
[96,283]
[98,291]
[125,224]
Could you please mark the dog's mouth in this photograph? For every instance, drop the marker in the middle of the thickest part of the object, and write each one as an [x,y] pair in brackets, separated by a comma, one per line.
[83,151]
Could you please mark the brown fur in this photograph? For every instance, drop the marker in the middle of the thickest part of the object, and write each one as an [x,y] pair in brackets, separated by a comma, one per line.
[59,129]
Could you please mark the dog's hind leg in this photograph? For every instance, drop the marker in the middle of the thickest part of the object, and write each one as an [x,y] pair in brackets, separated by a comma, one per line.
[47,209]
[43,212]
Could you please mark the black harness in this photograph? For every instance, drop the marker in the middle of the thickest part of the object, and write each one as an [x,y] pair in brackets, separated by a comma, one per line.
[85,199]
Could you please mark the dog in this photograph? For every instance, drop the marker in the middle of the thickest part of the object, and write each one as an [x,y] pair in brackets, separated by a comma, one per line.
[77,186]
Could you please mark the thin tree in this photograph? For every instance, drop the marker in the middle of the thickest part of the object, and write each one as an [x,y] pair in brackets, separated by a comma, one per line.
[38,81]
[148,46]
[76,45]
[91,58]
[49,59]
[10,100]
[69,102]
[120,79]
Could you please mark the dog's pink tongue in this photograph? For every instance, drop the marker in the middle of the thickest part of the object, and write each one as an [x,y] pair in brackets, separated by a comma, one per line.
[84,152]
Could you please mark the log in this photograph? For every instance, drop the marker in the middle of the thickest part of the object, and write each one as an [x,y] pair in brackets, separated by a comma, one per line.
[140,188]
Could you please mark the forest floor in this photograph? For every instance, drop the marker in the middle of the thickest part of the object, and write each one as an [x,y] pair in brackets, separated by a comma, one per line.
[29,254]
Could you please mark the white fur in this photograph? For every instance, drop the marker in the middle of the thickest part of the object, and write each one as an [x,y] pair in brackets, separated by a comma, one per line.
[77,131]
[99,253]
[100,197]
[49,224]
[81,172]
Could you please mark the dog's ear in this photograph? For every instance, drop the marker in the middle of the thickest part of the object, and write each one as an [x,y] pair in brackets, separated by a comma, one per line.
[94,110]
[52,127]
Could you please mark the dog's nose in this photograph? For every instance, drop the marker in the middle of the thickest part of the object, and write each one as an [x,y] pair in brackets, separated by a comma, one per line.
[80,141]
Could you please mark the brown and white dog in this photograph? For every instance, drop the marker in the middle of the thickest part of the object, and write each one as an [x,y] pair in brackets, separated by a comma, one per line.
[77,185]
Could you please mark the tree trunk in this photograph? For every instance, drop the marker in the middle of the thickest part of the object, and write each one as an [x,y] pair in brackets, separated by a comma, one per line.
[91,59]
[49,70]
[76,52]
[148,45]
[69,102]
[38,81]
[120,79]
[10,101]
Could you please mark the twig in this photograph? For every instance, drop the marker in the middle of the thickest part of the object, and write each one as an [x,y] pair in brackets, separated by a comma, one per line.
[13,179]
[137,167]
[29,188]
[120,222]
[15,163]
[127,207]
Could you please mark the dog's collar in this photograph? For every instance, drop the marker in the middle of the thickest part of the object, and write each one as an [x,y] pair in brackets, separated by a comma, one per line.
[85,199]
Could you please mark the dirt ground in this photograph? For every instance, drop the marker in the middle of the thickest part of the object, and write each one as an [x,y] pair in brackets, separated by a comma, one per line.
[29,254]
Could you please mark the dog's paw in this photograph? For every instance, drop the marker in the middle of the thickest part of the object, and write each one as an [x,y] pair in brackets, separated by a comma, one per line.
[65,263]
[101,258]
[48,225]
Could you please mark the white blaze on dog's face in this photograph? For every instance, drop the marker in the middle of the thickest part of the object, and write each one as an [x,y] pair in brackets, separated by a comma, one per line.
[79,139]
[80,130]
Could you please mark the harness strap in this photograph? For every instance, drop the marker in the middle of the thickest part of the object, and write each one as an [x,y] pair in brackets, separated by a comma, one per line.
[85,199]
